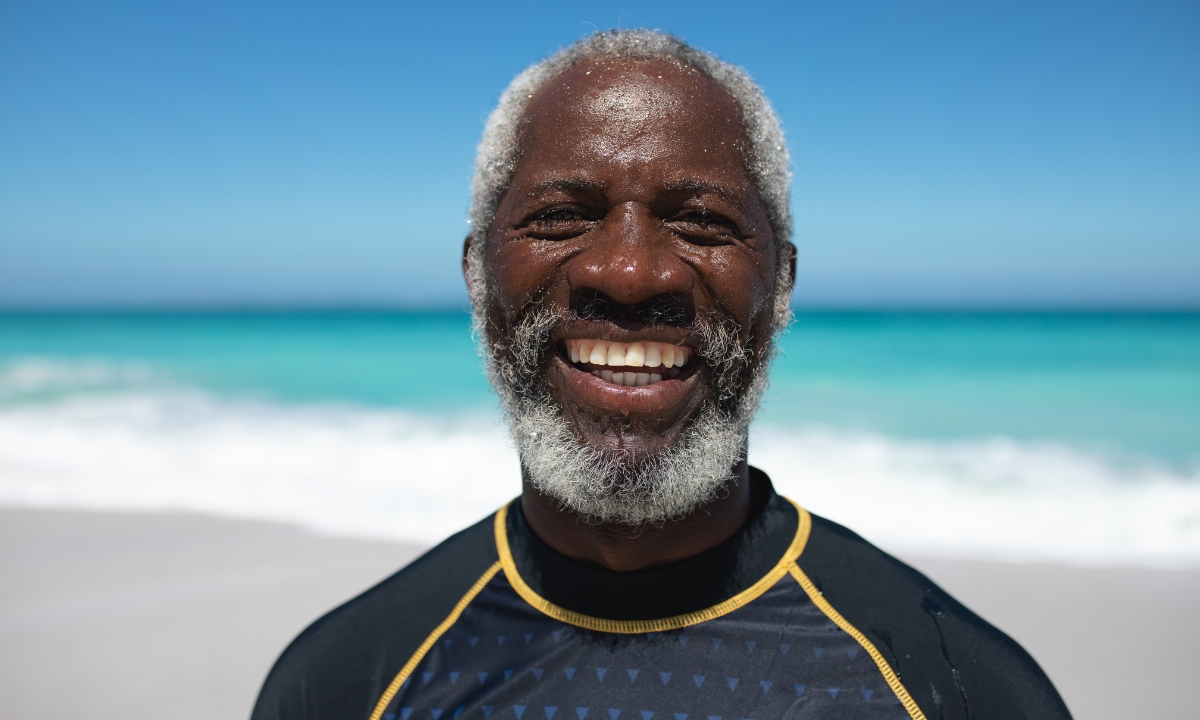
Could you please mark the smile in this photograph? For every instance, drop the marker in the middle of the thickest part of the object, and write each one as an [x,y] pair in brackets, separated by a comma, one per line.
[628,364]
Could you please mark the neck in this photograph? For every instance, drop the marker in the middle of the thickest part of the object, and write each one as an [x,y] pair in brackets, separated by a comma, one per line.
[624,548]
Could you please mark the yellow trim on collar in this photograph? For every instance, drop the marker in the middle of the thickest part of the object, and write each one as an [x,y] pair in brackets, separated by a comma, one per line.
[630,627]
[889,675]
[411,665]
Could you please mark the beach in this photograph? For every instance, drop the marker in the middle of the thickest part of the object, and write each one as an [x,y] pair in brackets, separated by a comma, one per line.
[115,615]
[171,615]
[182,493]
[291,295]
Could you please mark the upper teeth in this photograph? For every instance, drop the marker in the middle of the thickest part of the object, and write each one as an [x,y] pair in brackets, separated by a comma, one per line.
[635,354]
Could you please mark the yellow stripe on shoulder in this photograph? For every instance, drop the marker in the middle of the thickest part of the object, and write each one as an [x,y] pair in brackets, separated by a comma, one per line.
[889,675]
[440,630]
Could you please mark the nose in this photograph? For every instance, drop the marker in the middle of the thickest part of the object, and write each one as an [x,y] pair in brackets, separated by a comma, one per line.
[630,258]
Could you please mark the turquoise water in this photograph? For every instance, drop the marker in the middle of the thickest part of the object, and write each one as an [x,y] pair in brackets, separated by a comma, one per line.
[1122,382]
[1126,382]
[966,435]
[418,360]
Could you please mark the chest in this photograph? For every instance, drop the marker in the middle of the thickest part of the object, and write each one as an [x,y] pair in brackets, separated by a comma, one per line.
[778,656]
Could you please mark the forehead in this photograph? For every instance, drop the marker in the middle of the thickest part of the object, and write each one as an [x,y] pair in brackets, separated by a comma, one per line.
[648,117]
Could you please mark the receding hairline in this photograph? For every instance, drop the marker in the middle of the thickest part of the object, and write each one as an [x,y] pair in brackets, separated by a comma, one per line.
[730,113]
[555,84]
[624,65]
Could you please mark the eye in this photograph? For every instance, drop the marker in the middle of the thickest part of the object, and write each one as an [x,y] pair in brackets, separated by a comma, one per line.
[558,215]
[704,227]
[704,217]
[559,223]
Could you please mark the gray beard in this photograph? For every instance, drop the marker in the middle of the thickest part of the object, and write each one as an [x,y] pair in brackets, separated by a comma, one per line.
[615,485]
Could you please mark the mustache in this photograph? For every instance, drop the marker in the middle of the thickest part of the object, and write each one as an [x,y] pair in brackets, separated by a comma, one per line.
[665,309]
[521,352]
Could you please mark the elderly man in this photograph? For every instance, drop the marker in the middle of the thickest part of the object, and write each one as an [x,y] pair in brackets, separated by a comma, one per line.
[629,267]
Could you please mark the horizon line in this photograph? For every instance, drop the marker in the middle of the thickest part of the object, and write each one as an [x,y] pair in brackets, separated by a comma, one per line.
[446,308]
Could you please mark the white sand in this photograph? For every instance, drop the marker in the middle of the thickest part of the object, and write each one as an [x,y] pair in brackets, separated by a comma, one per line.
[119,616]
[1117,642]
[180,616]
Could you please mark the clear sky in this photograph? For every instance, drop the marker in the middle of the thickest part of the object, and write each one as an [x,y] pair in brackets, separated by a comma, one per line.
[237,153]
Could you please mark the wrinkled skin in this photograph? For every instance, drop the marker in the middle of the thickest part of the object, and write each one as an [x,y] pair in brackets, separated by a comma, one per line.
[632,184]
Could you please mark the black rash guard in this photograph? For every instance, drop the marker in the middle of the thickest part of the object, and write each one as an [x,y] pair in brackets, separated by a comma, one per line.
[794,616]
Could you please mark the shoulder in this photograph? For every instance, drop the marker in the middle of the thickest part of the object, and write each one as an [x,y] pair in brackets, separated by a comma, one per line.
[953,663]
[341,664]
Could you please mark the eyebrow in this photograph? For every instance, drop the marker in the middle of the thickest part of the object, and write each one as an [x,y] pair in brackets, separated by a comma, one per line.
[571,185]
[689,186]
[699,187]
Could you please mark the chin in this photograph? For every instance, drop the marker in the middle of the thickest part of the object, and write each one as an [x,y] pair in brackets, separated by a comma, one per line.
[609,484]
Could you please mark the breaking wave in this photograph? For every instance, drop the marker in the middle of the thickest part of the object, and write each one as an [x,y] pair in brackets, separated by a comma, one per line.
[89,437]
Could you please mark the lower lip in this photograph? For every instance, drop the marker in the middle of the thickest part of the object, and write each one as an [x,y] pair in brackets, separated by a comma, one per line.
[624,399]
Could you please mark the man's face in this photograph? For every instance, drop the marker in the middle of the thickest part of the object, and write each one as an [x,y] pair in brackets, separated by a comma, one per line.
[633,218]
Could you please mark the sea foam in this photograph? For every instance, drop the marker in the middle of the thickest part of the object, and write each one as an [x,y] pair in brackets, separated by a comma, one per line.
[388,473]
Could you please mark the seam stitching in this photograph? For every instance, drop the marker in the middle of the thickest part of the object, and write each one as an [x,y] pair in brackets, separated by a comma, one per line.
[432,639]
[889,675]
[628,627]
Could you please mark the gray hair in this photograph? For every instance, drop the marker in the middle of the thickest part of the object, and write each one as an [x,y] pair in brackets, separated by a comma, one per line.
[496,160]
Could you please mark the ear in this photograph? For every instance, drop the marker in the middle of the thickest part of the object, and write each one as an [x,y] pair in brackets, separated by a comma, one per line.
[790,252]
[466,265]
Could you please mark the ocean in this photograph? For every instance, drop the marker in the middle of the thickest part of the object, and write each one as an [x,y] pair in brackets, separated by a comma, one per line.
[1052,437]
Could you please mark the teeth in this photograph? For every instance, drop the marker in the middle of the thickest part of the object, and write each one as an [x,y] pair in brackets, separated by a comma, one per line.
[628,355]
[637,354]
[599,354]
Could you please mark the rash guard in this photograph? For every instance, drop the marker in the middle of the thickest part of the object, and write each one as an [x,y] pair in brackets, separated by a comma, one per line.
[792,617]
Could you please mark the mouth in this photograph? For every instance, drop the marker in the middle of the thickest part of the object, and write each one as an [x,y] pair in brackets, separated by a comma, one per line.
[632,364]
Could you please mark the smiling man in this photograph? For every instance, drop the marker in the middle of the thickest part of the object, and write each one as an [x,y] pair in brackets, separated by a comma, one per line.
[630,268]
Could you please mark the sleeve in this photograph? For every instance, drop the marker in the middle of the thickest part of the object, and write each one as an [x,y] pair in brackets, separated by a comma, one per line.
[341,664]
[955,665]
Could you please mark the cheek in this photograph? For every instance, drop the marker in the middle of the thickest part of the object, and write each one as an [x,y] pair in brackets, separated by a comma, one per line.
[520,270]
[742,281]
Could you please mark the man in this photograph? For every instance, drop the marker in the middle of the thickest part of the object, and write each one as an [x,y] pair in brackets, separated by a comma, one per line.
[629,267]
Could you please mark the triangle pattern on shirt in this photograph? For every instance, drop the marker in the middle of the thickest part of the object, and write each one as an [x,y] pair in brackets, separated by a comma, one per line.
[544,671]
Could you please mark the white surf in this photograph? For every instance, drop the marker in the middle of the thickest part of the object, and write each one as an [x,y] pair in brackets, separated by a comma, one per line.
[385,473]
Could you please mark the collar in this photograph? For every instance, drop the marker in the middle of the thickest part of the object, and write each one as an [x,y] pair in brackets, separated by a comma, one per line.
[702,587]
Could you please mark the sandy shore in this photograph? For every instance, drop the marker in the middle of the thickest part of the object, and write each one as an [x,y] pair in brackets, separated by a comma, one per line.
[109,615]
[1117,642]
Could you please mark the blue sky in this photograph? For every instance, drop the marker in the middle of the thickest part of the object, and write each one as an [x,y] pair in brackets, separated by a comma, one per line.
[947,154]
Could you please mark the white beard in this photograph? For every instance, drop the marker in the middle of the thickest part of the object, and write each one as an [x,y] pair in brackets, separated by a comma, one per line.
[612,486]
[609,485]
